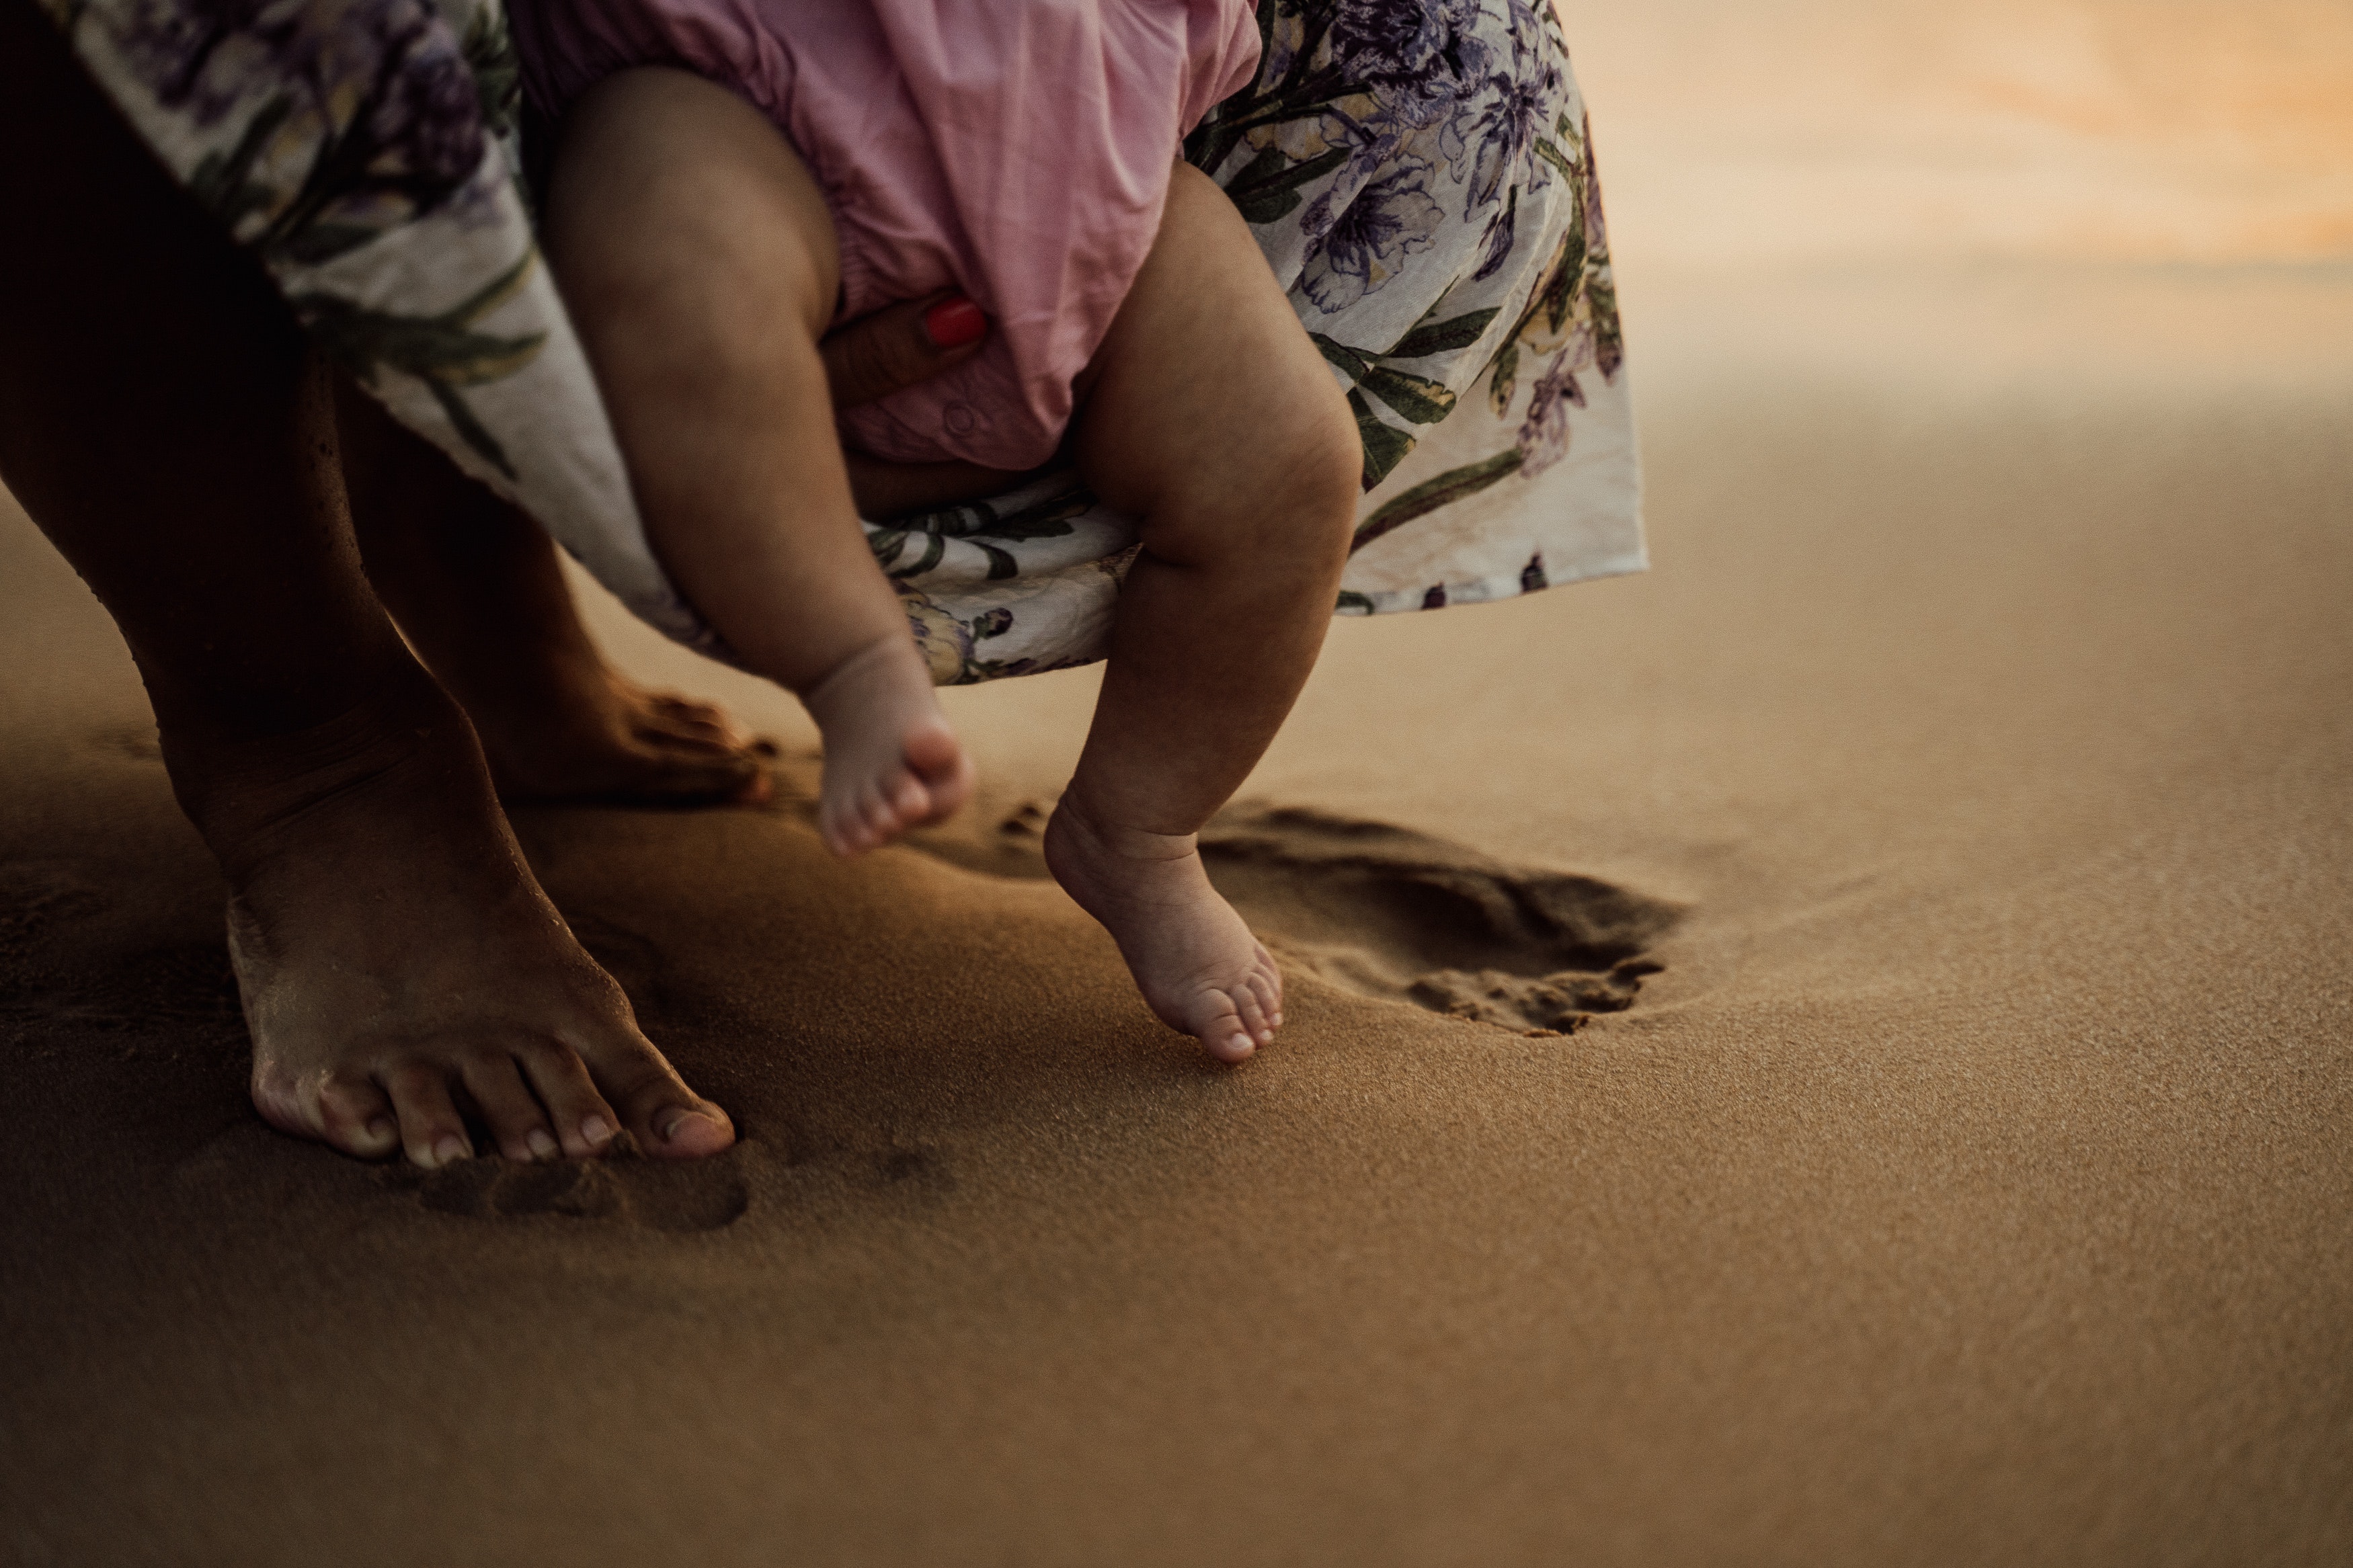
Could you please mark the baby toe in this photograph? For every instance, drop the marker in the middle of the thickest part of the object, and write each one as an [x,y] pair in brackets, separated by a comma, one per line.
[841,826]
[1222,1030]
[909,799]
[1265,989]
[942,768]
[1266,978]
[880,817]
[1252,1013]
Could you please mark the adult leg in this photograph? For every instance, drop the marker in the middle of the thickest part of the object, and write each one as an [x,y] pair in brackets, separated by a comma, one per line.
[1210,415]
[475,585]
[399,964]
[699,263]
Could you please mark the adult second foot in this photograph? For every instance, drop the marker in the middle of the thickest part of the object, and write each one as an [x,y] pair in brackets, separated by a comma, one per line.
[891,761]
[405,979]
[598,737]
[478,590]
[1194,959]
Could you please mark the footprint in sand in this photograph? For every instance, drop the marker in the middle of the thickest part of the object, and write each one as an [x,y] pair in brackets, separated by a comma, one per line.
[1385,912]
[656,1194]
[37,896]
[57,978]
[1389,913]
[137,741]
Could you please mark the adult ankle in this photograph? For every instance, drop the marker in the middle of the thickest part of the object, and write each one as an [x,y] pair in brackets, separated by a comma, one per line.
[245,791]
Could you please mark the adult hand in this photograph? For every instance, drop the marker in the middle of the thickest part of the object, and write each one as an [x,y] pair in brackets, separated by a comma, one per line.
[900,345]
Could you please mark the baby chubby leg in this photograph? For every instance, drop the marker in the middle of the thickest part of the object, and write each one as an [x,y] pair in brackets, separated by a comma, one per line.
[1211,416]
[696,253]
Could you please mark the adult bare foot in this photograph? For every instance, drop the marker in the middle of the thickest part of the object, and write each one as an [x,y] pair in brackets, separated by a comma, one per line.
[404,977]
[162,421]
[1200,968]
[606,739]
[891,761]
[475,586]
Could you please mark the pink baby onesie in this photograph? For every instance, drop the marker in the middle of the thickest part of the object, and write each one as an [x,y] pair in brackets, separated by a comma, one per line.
[1017,150]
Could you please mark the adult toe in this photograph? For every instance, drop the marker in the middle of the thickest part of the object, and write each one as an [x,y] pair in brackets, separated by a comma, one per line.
[584,1123]
[431,1131]
[356,1116]
[691,713]
[668,1119]
[513,1114]
[686,776]
[687,735]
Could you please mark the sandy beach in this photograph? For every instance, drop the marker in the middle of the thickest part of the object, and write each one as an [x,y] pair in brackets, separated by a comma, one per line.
[1838,1050]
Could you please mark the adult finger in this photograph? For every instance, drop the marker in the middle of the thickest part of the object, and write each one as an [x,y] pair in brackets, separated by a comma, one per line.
[900,345]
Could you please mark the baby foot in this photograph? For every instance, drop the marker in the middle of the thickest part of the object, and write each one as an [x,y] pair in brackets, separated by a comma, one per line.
[1198,966]
[891,761]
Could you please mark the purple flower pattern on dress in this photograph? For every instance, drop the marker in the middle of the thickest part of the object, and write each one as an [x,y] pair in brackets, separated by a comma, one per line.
[1416,170]
[310,129]
[381,103]
[1391,218]
[1400,125]
[1544,433]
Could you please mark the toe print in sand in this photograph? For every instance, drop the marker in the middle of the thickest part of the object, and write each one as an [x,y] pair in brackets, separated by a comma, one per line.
[1384,911]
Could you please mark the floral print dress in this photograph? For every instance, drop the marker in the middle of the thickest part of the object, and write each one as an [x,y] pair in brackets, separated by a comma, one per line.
[1417,171]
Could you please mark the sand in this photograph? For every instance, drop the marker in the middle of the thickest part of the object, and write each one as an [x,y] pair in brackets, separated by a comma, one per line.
[1968,1181]
[1839,1051]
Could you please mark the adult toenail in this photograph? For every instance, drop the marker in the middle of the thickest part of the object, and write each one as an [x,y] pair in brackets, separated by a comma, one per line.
[597,1130]
[542,1147]
[450,1148]
[381,1129]
[669,1128]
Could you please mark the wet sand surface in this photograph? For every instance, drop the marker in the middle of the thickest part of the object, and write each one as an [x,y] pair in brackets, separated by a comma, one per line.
[1901,1107]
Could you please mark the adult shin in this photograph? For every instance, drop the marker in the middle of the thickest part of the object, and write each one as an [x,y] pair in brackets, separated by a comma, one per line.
[160,421]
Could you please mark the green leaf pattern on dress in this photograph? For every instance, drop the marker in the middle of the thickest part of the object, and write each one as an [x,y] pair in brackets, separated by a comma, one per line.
[1418,172]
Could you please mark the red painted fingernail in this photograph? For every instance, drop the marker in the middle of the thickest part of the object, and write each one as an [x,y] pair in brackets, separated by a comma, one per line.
[953,322]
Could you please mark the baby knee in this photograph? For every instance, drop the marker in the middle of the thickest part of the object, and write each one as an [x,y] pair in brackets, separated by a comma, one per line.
[1324,472]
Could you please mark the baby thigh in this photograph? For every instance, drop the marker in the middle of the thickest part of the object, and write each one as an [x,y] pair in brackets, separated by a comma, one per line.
[1208,413]
[1211,416]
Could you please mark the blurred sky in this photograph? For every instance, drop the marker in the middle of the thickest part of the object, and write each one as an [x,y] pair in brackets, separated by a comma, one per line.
[1740,131]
